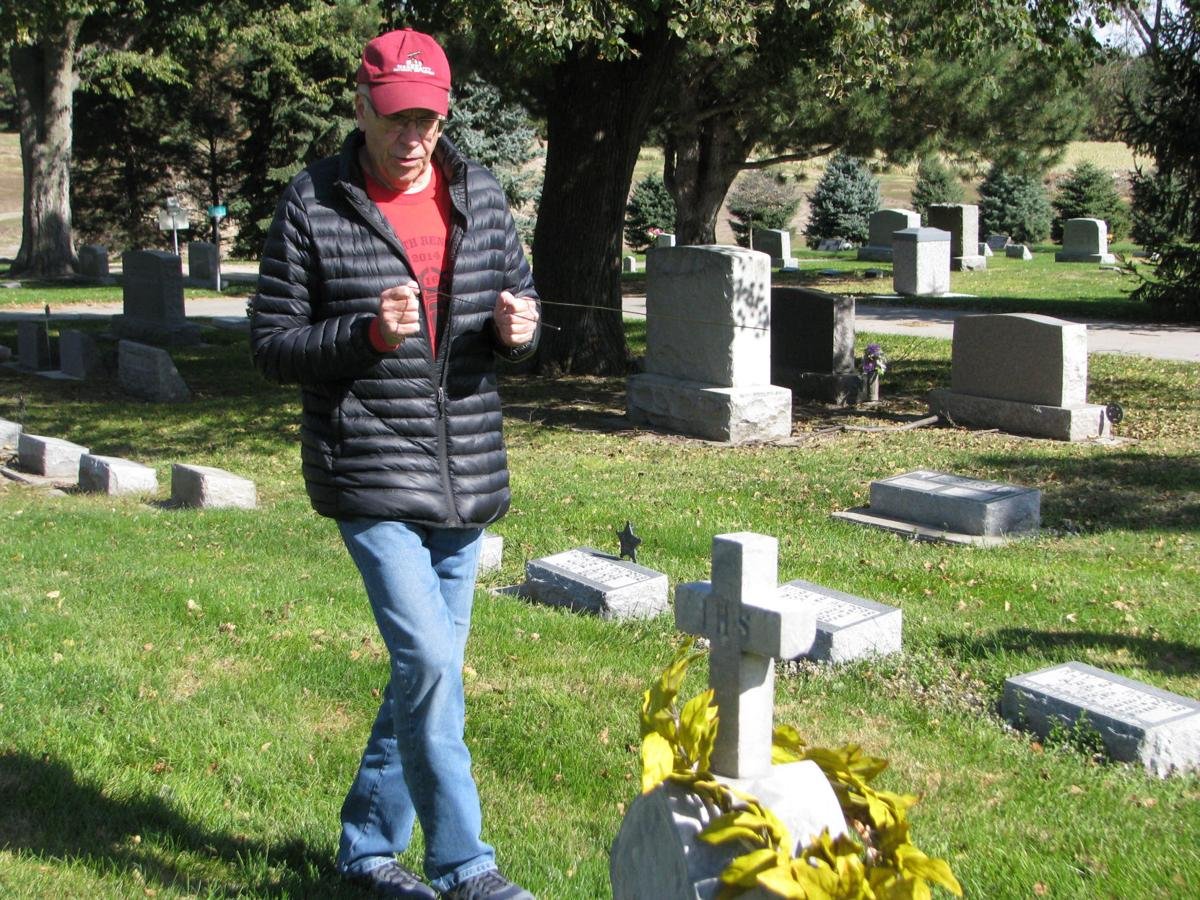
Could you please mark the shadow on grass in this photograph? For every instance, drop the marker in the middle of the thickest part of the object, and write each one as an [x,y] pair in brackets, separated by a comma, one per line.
[1120,491]
[1166,657]
[47,812]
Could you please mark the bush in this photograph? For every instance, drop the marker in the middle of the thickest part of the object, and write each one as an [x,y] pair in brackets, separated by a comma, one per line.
[1015,204]
[650,206]
[935,184]
[760,200]
[843,201]
[1089,193]
[1158,200]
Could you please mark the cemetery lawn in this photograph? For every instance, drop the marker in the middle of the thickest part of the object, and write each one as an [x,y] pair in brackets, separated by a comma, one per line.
[184,694]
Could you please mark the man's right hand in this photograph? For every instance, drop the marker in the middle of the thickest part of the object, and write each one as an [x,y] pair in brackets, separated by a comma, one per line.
[399,313]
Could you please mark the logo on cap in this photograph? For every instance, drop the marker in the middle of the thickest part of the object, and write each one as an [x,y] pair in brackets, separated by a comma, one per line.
[412,63]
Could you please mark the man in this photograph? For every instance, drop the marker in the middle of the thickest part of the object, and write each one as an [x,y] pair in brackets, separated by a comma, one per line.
[391,278]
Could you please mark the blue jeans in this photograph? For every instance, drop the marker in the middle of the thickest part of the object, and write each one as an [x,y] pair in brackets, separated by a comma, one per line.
[421,583]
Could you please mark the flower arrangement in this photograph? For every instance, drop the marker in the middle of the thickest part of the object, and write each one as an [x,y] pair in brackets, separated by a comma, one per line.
[654,231]
[874,363]
[880,862]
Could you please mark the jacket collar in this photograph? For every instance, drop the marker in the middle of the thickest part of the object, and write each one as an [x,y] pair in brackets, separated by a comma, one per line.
[445,155]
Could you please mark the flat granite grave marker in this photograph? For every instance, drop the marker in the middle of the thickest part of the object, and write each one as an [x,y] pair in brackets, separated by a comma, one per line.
[49,457]
[937,506]
[848,627]
[150,373]
[209,488]
[1136,722]
[586,580]
[657,853]
[112,475]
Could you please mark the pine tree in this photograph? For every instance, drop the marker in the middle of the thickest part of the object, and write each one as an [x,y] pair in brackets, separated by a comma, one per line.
[1089,193]
[650,207]
[935,184]
[843,201]
[1015,204]
[760,200]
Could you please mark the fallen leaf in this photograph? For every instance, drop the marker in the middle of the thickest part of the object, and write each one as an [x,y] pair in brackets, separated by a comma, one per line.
[53,595]
[1075,789]
[1040,889]
[265,747]
[604,736]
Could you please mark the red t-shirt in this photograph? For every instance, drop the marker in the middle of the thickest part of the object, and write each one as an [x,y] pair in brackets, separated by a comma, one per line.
[422,223]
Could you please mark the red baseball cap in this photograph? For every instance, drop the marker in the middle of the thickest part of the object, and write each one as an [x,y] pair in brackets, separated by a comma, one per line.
[406,70]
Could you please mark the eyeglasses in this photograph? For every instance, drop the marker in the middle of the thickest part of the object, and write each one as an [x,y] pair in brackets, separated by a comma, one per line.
[425,124]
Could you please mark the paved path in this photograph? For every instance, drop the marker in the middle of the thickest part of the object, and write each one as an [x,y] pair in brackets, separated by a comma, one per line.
[1133,338]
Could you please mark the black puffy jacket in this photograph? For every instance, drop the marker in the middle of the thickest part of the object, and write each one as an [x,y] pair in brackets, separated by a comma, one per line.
[397,435]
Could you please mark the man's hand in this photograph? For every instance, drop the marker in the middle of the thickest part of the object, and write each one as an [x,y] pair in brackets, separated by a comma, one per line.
[399,313]
[516,319]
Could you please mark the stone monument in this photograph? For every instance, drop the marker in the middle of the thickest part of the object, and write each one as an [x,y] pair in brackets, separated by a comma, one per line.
[962,221]
[1023,373]
[812,344]
[708,347]
[776,243]
[1085,240]
[921,262]
[586,580]
[152,287]
[881,226]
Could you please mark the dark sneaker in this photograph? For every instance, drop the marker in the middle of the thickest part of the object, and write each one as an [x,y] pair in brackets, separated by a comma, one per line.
[393,880]
[491,885]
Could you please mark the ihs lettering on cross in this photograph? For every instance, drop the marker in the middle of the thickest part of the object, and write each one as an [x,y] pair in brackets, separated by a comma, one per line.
[748,627]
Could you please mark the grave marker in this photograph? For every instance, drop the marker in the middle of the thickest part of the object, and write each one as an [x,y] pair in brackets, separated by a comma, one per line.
[1018,251]
[204,263]
[881,226]
[1085,240]
[921,261]
[629,264]
[149,373]
[962,221]
[209,488]
[958,504]
[79,353]
[49,457]
[1136,722]
[491,552]
[93,261]
[776,243]
[848,627]
[114,476]
[10,433]
[33,345]
[812,344]
[586,580]
[152,291]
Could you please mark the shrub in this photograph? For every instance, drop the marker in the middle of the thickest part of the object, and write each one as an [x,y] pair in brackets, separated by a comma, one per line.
[1015,204]
[760,200]
[935,184]
[843,201]
[1158,200]
[1089,193]
[650,206]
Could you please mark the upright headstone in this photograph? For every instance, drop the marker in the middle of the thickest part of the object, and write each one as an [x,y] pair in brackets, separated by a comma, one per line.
[33,345]
[665,240]
[204,263]
[1018,251]
[1136,722]
[921,262]
[657,852]
[112,475]
[491,552]
[10,433]
[962,221]
[587,580]
[776,243]
[848,627]
[1023,373]
[93,261]
[49,457]
[812,344]
[708,347]
[881,226]
[629,264]
[210,488]
[152,287]
[985,251]
[149,373]
[1085,240]
[79,354]
[998,241]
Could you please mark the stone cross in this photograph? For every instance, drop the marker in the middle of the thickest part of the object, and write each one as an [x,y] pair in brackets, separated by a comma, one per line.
[748,626]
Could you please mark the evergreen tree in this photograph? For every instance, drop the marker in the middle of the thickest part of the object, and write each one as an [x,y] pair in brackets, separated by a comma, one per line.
[935,184]
[650,206]
[760,200]
[1156,200]
[496,133]
[1089,193]
[843,201]
[1014,203]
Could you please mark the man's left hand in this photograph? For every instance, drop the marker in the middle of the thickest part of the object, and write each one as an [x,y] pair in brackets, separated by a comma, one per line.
[516,319]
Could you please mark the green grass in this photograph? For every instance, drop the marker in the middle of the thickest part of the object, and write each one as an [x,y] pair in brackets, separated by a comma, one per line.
[184,694]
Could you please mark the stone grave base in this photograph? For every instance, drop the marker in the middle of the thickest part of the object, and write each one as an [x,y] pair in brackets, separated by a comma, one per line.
[179,334]
[730,415]
[975,263]
[657,852]
[862,515]
[1060,423]
[839,388]
[1099,258]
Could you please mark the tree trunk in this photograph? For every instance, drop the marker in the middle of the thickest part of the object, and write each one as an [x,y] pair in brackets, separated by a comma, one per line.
[44,79]
[596,118]
[703,157]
